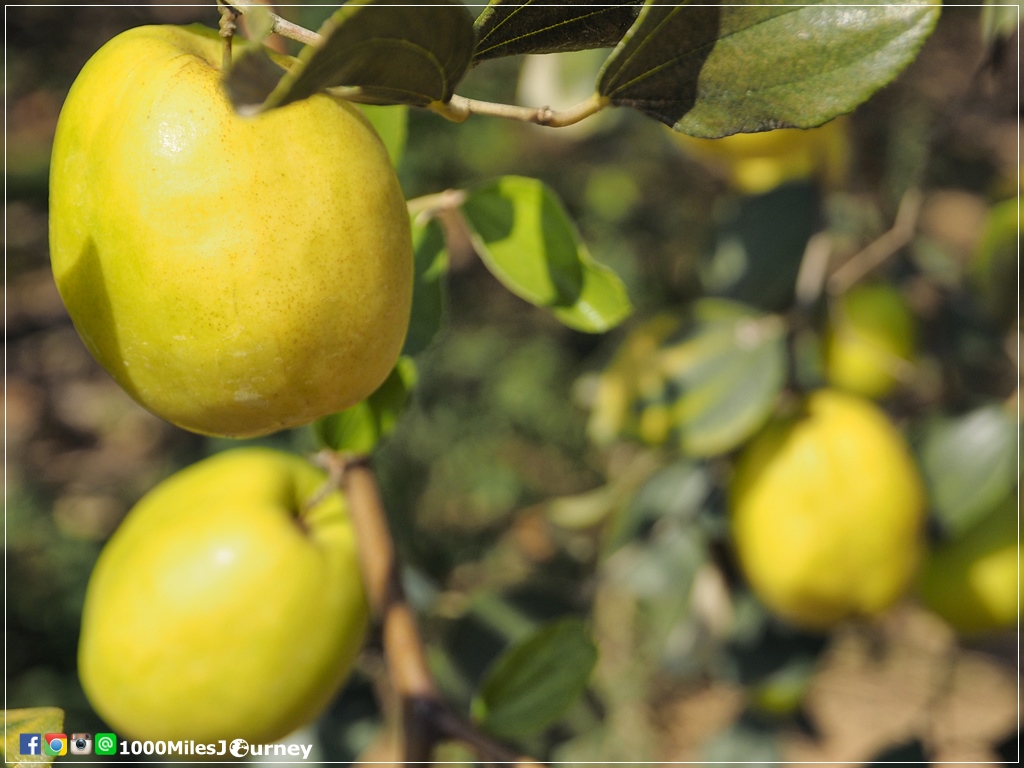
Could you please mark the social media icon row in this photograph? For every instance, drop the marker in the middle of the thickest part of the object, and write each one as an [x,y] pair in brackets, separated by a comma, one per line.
[57,744]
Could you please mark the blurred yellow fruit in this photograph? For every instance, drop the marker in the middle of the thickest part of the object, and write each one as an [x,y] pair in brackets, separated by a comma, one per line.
[755,163]
[870,340]
[226,605]
[972,582]
[235,275]
[826,511]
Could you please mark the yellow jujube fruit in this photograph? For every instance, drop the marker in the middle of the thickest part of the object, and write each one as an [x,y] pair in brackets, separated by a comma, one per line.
[235,275]
[226,605]
[826,511]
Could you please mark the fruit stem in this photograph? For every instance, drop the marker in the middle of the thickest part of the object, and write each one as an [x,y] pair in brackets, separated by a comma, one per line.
[228,16]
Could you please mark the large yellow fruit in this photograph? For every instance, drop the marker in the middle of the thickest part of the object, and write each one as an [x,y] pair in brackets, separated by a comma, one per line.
[235,275]
[224,607]
[870,340]
[972,582]
[826,512]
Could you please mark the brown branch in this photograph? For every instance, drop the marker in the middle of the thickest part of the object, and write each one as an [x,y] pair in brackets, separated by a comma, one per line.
[426,718]
[880,249]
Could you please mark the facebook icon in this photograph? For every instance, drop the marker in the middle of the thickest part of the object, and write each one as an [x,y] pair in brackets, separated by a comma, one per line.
[29,743]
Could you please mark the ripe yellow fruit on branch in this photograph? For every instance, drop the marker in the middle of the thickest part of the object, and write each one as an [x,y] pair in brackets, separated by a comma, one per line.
[826,512]
[226,605]
[235,275]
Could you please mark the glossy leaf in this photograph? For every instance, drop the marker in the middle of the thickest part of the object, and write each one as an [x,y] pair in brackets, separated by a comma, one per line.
[711,70]
[969,464]
[526,239]
[430,264]
[511,27]
[533,683]
[385,52]
[358,429]
[40,720]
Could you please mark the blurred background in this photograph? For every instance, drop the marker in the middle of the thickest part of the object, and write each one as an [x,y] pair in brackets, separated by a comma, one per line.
[532,478]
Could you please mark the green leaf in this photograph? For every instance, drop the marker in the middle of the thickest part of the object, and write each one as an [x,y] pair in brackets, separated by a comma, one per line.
[723,374]
[511,27]
[39,720]
[385,52]
[533,683]
[706,381]
[525,238]
[358,429]
[711,71]
[430,261]
[969,464]
[392,125]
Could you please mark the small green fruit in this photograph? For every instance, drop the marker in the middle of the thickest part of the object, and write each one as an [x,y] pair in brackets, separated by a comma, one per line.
[870,341]
[972,581]
[224,607]
[235,275]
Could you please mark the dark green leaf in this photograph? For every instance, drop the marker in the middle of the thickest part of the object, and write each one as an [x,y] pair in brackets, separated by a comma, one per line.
[39,720]
[511,27]
[430,263]
[358,429]
[759,246]
[253,76]
[969,464]
[524,236]
[385,52]
[711,70]
[536,680]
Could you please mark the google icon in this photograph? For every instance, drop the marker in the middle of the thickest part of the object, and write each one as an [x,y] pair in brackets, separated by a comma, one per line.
[55,744]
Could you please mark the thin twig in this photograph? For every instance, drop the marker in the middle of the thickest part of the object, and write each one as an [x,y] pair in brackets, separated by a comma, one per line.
[228,15]
[810,279]
[284,27]
[899,235]
[459,108]
[436,202]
